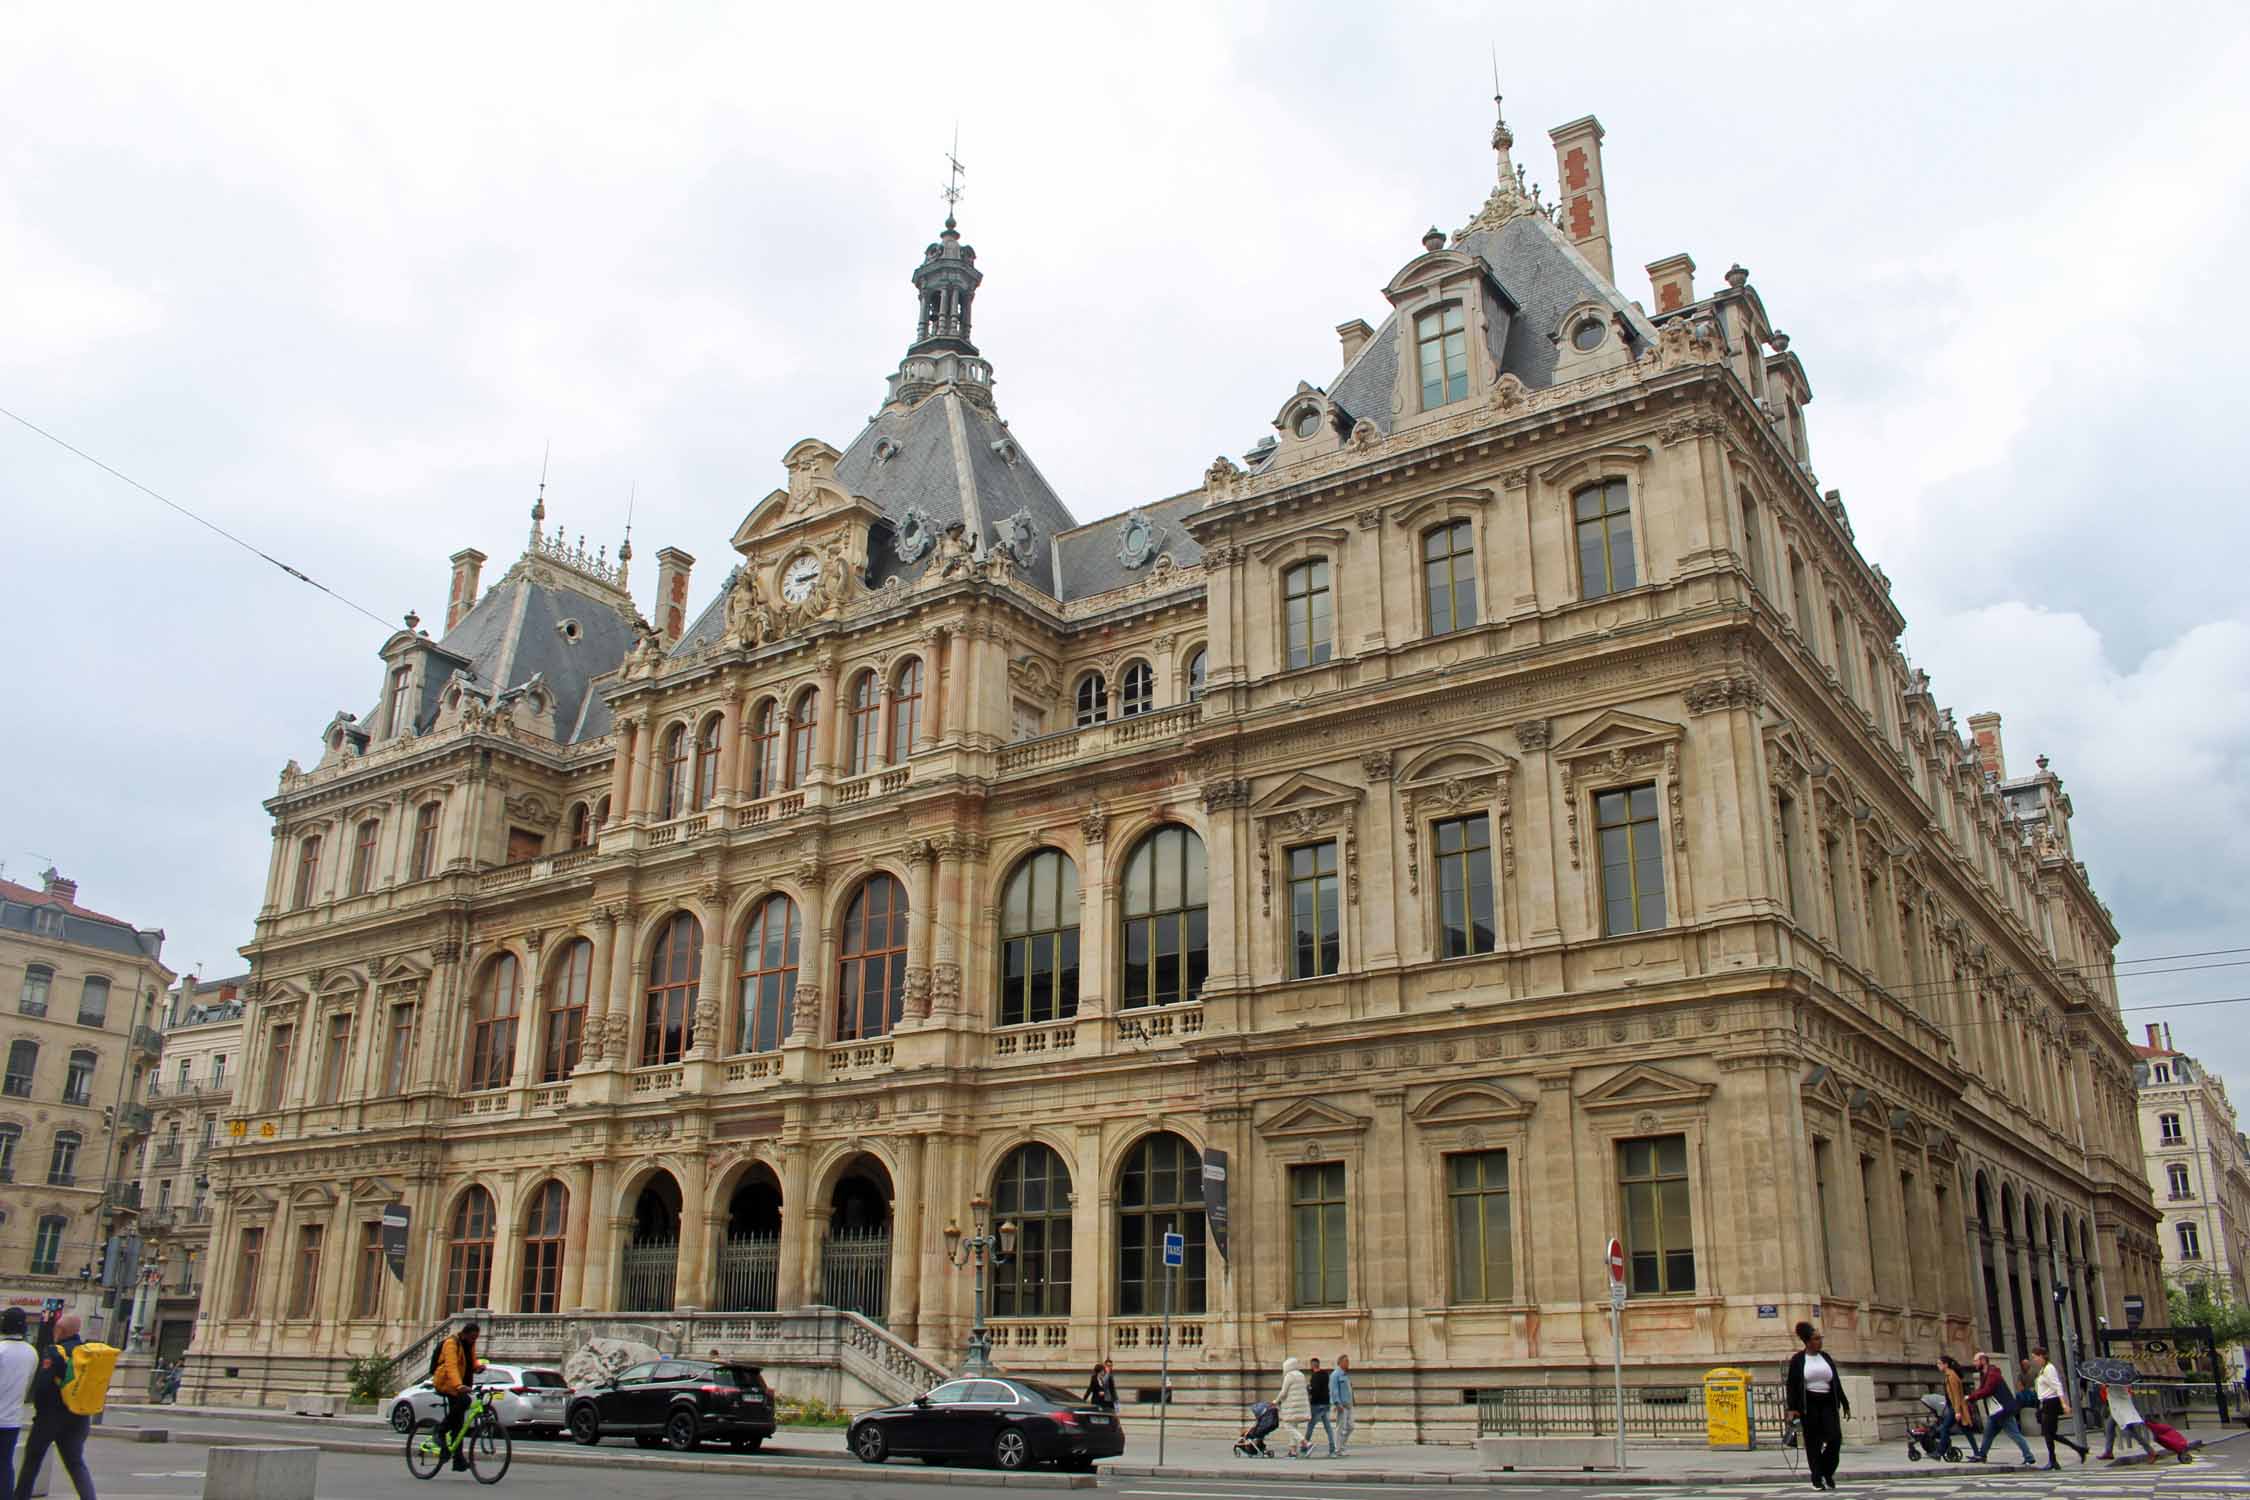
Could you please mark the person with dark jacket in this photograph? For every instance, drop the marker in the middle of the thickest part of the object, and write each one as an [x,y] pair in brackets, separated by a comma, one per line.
[1316,1391]
[1994,1404]
[1816,1399]
[1101,1391]
[54,1425]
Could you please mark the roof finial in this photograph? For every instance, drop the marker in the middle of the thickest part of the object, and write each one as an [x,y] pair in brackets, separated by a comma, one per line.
[625,548]
[1502,137]
[539,506]
[953,189]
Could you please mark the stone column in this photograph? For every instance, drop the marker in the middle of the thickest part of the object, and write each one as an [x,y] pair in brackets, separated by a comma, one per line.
[1378,910]
[909,1229]
[922,857]
[831,709]
[693,1278]
[946,916]
[572,1297]
[1223,803]
[617,999]
[1091,1252]
[730,747]
[596,1250]
[647,803]
[797,1222]
[625,777]
[507,1241]
[1096,922]
[810,1023]
[931,728]
[598,980]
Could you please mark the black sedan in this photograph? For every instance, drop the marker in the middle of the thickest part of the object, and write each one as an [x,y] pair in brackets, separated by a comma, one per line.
[1009,1423]
[678,1402]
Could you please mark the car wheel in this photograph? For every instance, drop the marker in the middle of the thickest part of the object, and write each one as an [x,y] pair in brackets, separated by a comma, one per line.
[870,1444]
[402,1417]
[1011,1449]
[586,1426]
[679,1432]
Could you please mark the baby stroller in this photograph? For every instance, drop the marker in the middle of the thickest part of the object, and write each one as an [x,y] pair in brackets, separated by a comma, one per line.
[1922,1436]
[1264,1418]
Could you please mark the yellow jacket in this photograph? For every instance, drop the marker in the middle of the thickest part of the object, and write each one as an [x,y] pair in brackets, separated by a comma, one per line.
[452,1377]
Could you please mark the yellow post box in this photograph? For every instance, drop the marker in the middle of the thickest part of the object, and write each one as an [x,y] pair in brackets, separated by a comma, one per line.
[1726,1409]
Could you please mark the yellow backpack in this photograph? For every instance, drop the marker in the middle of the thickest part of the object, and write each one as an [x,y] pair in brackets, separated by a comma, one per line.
[85,1386]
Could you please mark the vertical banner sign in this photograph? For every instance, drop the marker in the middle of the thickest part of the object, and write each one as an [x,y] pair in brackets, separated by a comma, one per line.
[1215,1198]
[395,1220]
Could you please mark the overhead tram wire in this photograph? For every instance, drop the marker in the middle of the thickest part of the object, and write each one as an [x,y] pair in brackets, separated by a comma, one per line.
[297,573]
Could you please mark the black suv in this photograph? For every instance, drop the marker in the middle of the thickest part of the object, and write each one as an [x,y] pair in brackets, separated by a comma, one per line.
[679,1402]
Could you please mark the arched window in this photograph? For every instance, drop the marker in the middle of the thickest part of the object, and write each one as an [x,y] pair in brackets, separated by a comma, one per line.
[363,857]
[566,1012]
[765,750]
[1307,612]
[1605,539]
[1160,1193]
[1032,1191]
[906,711]
[2176,1176]
[872,971]
[492,1025]
[38,984]
[601,813]
[865,723]
[23,1064]
[93,1001]
[1198,666]
[308,871]
[1167,943]
[1136,690]
[707,762]
[1039,940]
[675,975]
[78,1078]
[1449,577]
[468,1253]
[769,974]
[672,790]
[425,842]
[1753,549]
[1093,700]
[581,825]
[47,1245]
[804,714]
[543,1236]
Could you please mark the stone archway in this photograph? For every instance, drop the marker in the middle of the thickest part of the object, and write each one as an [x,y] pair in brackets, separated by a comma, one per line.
[649,1274]
[749,1267]
[855,1257]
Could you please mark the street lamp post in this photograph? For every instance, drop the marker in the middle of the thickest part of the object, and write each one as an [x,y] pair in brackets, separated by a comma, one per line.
[973,1249]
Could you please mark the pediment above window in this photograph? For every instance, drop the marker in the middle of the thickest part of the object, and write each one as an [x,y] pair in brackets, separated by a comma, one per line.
[373,1190]
[1468,1103]
[1614,734]
[1641,1086]
[1455,760]
[813,494]
[1311,1117]
[1303,793]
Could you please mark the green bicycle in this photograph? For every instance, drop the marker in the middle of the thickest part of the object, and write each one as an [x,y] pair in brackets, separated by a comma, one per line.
[429,1445]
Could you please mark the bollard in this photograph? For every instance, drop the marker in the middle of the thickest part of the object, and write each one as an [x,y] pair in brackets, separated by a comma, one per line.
[260,1473]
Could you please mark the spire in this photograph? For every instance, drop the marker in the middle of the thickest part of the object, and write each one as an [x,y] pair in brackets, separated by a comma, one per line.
[1502,137]
[945,290]
[1513,197]
[539,505]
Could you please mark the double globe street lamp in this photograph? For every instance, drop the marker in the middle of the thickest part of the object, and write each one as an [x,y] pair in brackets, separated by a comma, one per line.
[975,1249]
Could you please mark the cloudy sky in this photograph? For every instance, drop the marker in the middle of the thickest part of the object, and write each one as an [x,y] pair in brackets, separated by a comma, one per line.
[337,281]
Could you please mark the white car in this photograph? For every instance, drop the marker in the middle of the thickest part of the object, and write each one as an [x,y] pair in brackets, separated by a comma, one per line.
[532,1400]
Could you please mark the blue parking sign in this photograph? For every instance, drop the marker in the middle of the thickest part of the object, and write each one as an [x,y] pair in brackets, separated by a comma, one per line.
[1175,1249]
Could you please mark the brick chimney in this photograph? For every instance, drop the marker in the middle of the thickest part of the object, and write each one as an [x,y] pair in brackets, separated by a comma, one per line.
[468,567]
[59,885]
[1672,279]
[1984,729]
[672,568]
[1355,335]
[1585,207]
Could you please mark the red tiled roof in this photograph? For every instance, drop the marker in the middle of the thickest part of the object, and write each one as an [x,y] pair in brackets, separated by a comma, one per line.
[2141,1051]
[24,895]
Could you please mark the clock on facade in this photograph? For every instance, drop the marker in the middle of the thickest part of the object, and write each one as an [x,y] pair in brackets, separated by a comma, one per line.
[798,579]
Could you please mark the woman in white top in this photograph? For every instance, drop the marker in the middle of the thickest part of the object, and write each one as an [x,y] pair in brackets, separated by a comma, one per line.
[17,1362]
[2052,1407]
[1815,1392]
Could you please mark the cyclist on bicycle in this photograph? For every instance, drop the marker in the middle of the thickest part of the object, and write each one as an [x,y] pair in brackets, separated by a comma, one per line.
[457,1365]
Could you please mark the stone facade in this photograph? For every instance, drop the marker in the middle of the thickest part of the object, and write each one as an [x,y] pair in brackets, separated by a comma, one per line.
[1496,813]
[188,1095]
[81,991]
[2198,1168]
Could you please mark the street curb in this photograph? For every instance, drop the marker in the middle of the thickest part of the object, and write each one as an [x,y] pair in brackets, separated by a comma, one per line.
[742,1466]
[1538,1478]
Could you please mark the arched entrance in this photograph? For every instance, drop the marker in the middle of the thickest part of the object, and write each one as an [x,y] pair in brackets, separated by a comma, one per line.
[749,1277]
[652,1255]
[855,1259]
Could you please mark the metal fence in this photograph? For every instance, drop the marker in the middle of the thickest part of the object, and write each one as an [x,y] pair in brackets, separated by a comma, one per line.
[650,1271]
[749,1273]
[1651,1411]
[855,1272]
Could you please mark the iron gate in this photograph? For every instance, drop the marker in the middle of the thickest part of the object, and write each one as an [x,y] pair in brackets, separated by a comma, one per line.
[749,1273]
[855,1271]
[651,1270]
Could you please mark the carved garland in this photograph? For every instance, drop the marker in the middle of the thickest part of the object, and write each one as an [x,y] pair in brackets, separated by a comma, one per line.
[1293,823]
[1617,765]
[1459,794]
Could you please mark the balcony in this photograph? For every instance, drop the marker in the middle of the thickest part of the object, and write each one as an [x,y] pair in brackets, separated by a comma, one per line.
[1091,740]
[123,1195]
[147,1039]
[32,1008]
[134,1119]
[16,1086]
[168,1155]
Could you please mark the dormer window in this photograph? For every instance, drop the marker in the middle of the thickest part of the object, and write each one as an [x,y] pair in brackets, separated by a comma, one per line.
[1307,423]
[1586,336]
[402,704]
[1442,342]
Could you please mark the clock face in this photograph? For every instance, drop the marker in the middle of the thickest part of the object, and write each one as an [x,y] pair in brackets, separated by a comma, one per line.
[798,578]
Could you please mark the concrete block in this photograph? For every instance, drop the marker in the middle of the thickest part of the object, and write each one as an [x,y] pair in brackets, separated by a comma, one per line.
[1861,1428]
[1546,1453]
[309,1405]
[260,1473]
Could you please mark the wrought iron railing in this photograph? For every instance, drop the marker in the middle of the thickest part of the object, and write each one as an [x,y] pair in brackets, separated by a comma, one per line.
[649,1276]
[855,1272]
[749,1273]
[1651,1411]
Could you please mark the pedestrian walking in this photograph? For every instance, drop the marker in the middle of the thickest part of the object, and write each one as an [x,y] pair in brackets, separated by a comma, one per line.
[1101,1390]
[1316,1392]
[54,1425]
[1295,1406]
[1995,1405]
[1816,1399]
[18,1362]
[2053,1406]
[1340,1397]
[1956,1403]
[2124,1420]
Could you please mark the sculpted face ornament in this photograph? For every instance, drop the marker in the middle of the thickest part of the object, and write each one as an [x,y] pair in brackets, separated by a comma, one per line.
[800,578]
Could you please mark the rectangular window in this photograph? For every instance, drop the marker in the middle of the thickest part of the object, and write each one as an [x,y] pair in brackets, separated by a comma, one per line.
[1632,860]
[525,843]
[1464,884]
[1791,892]
[336,1058]
[402,701]
[46,1249]
[2191,1242]
[308,873]
[367,1280]
[1306,605]
[9,1136]
[1870,1214]
[1316,1235]
[424,856]
[1605,540]
[1449,577]
[246,1272]
[1442,343]
[219,1070]
[78,1081]
[1314,946]
[1476,1187]
[307,1284]
[280,1043]
[62,1163]
[1652,1182]
[2169,1127]
[1839,894]
[93,1001]
[1842,638]
[1820,1156]
[1800,602]
[363,858]
[398,1045]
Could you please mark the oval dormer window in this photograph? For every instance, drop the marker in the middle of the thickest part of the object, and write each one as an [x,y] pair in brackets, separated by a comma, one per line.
[1308,422]
[1587,336]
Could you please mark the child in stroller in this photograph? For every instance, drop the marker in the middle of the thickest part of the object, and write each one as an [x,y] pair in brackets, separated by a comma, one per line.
[1264,1418]
[1922,1436]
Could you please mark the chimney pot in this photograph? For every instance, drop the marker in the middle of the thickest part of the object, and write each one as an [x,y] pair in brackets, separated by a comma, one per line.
[1578,184]
[58,884]
[461,597]
[672,569]
[1992,755]
[1355,335]
[1672,279]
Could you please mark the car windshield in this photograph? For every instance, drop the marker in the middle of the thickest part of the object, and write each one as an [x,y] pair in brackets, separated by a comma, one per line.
[1054,1393]
[546,1380]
